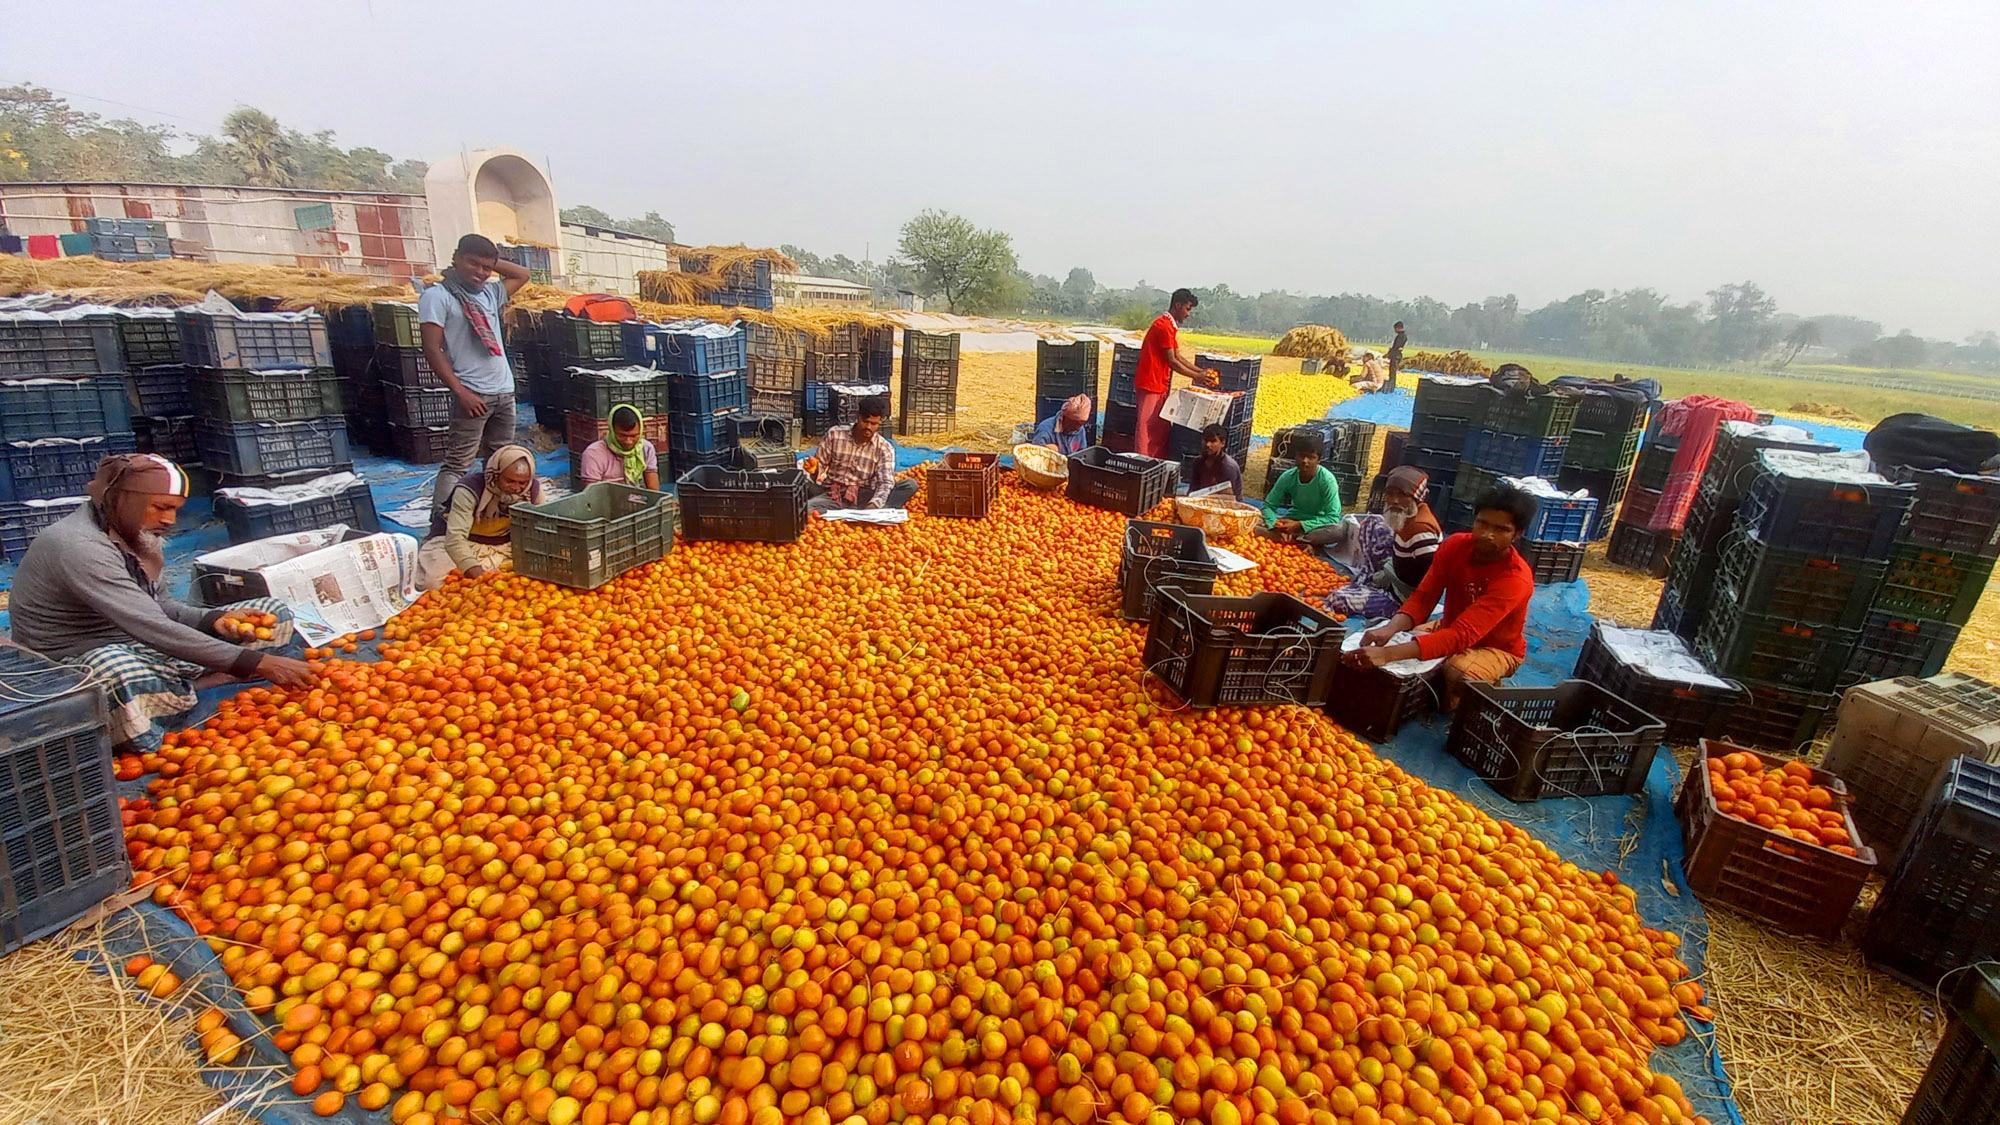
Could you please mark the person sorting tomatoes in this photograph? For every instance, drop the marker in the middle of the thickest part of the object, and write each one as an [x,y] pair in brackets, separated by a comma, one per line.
[1392,551]
[475,532]
[1485,585]
[1159,359]
[1065,430]
[1215,465]
[89,593]
[1304,505]
[857,465]
[622,455]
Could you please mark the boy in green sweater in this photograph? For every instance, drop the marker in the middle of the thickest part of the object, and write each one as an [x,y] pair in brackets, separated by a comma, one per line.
[1304,506]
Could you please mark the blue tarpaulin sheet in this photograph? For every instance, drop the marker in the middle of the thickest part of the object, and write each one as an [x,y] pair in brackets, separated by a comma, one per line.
[1591,833]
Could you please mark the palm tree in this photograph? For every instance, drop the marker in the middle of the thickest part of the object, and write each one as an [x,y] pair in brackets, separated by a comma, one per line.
[1803,335]
[260,148]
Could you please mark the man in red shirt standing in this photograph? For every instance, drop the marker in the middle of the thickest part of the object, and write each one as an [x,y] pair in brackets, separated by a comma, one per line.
[1159,358]
[1485,584]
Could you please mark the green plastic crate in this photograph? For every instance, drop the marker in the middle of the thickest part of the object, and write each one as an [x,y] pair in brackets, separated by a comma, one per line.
[586,540]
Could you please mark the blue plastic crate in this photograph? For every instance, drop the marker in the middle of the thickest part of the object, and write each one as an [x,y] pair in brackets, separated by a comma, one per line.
[56,467]
[702,433]
[19,523]
[247,523]
[683,353]
[1513,455]
[73,408]
[1563,520]
[267,449]
[351,326]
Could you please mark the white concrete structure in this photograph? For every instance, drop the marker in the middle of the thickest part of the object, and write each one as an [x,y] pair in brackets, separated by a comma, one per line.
[383,234]
[497,192]
[802,290]
[602,260]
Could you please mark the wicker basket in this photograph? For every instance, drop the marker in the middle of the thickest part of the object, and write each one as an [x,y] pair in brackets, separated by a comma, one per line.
[1041,467]
[1221,519]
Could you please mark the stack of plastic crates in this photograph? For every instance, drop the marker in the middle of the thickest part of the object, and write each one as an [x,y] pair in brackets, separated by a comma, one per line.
[1447,409]
[775,369]
[1064,370]
[703,412]
[930,383]
[63,405]
[1121,403]
[1602,449]
[1939,911]
[1939,566]
[1511,436]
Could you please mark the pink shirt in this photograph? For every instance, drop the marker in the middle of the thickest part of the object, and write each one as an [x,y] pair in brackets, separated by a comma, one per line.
[600,464]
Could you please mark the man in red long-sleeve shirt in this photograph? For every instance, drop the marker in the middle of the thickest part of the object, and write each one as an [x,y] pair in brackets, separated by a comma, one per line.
[1485,584]
[1159,359]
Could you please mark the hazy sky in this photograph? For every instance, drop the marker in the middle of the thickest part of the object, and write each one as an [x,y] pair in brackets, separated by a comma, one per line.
[1845,155]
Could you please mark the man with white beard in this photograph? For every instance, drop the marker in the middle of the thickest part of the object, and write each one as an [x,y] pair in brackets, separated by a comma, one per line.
[89,594]
[1392,551]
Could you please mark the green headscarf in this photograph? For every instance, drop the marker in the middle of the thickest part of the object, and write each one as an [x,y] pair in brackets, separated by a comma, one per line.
[635,457]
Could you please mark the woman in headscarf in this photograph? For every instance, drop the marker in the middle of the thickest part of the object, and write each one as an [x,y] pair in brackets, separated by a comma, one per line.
[89,593]
[622,455]
[474,533]
[1065,431]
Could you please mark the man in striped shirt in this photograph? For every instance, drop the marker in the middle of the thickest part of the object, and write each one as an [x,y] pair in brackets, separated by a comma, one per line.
[857,465]
[1392,551]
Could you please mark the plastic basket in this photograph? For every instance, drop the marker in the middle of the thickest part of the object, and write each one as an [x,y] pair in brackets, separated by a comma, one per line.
[396,324]
[1453,397]
[586,540]
[682,353]
[1512,455]
[729,504]
[1690,712]
[406,367]
[963,485]
[1656,463]
[1638,548]
[824,366]
[1221,518]
[1234,374]
[577,340]
[172,438]
[1954,512]
[1733,465]
[1442,434]
[254,341]
[1266,648]
[1932,585]
[774,342]
[1566,519]
[1940,908]
[1158,556]
[161,392]
[1608,487]
[1589,449]
[73,408]
[56,468]
[417,445]
[1552,560]
[1375,703]
[1892,646]
[35,348]
[703,433]
[582,431]
[297,395]
[1895,739]
[1800,586]
[148,341]
[1780,650]
[1127,483]
[20,523]
[1782,718]
[1574,739]
[723,392]
[268,449]
[1961,1086]
[774,375]
[62,848]
[1827,517]
[1612,416]
[1798,887]
[246,523]
[594,393]
[1539,416]
[416,406]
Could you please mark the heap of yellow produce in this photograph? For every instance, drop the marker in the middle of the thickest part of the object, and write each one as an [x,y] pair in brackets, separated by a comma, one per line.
[1316,341]
[1445,363]
[887,824]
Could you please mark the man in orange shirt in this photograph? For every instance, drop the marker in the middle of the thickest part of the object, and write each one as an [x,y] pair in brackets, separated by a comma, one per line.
[1159,358]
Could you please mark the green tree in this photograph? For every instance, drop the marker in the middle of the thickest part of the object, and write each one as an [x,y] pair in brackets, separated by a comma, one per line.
[1804,334]
[972,269]
[650,226]
[259,147]
[1739,320]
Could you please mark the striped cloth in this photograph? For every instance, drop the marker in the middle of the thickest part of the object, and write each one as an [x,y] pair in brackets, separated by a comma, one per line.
[150,692]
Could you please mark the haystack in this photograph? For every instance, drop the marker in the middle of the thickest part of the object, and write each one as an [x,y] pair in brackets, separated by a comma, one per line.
[706,270]
[1316,341]
[1445,363]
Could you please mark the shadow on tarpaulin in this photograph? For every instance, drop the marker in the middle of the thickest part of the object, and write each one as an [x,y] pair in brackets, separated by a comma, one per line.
[1393,408]
[1595,834]
[1589,833]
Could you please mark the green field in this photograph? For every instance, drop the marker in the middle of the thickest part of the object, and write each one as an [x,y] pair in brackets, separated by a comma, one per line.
[1871,393]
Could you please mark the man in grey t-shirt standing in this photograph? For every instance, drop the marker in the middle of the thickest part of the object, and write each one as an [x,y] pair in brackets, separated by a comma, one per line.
[460,320]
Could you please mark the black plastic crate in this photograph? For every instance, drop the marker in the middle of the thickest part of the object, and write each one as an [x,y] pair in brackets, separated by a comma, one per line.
[417,445]
[295,395]
[350,326]
[1159,555]
[1940,908]
[1933,585]
[578,340]
[1513,455]
[1612,415]
[268,449]
[35,346]
[1440,433]
[1238,373]
[1892,646]
[1828,517]
[246,523]
[1640,549]
[355,363]
[595,392]
[1690,712]
[1266,648]
[172,438]
[1802,586]
[406,367]
[1541,416]
[1062,370]
[161,392]
[62,848]
[254,341]
[1609,486]
[1452,397]
[1127,483]
[682,461]
[1473,482]
[1656,463]
[148,341]
[21,522]
[1779,650]
[1780,717]
[416,406]
[1690,585]
[54,468]
[1961,1086]
[1733,464]
[586,540]
[729,504]
[1375,703]
[1954,512]
[43,408]
[1552,560]
[1590,449]
[1574,739]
